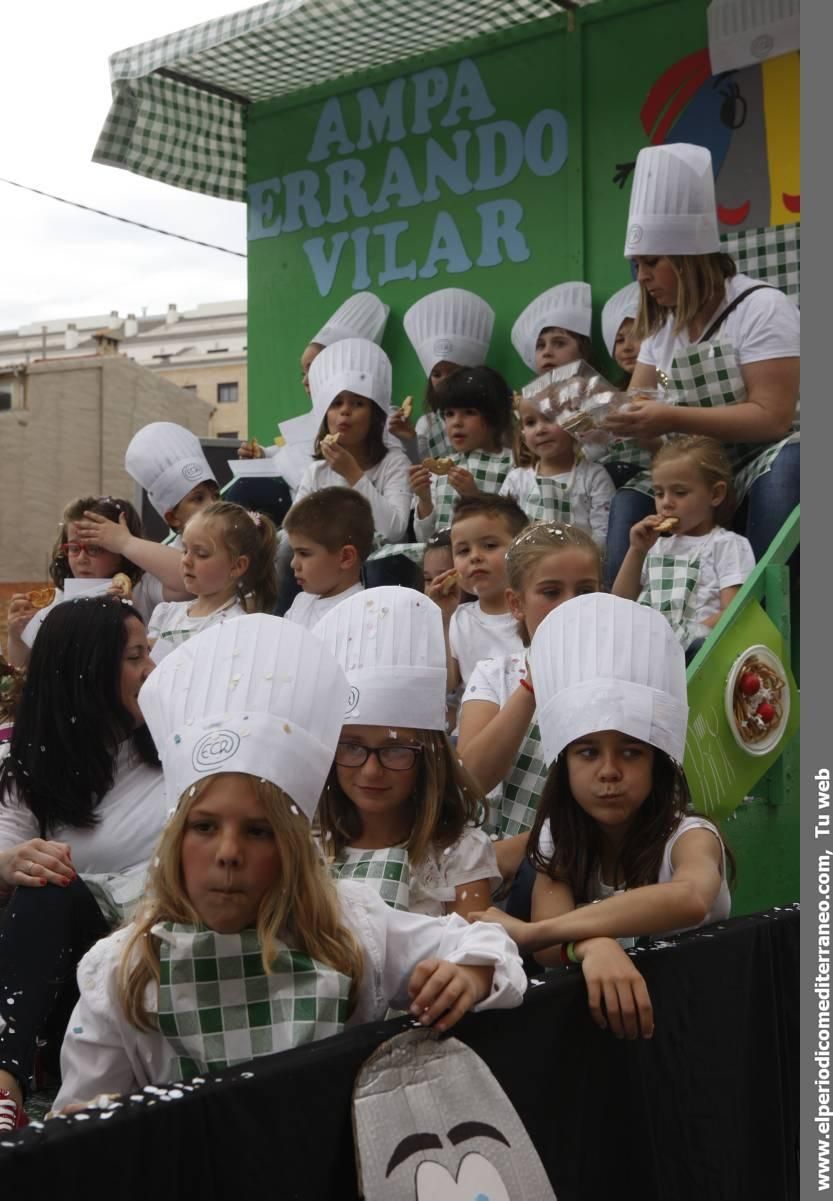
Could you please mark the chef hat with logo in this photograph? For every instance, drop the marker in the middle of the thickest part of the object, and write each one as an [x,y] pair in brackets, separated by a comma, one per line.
[167,461]
[390,643]
[361,316]
[258,695]
[622,304]
[673,209]
[568,306]
[351,365]
[605,663]
[452,325]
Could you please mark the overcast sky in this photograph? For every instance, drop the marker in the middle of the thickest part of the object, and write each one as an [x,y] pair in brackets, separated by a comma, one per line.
[57,261]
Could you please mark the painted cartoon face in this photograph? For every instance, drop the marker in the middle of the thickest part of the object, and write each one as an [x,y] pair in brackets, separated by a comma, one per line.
[749,122]
[409,1096]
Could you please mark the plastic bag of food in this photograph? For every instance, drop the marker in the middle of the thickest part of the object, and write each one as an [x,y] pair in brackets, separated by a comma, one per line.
[580,399]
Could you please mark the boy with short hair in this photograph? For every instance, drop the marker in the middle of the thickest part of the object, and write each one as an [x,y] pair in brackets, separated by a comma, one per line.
[331,534]
[481,529]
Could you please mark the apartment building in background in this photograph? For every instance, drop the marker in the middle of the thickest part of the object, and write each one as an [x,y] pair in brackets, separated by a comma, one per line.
[202,350]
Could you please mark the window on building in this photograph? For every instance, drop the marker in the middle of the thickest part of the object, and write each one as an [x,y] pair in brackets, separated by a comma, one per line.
[189,387]
[228,434]
[228,394]
[11,393]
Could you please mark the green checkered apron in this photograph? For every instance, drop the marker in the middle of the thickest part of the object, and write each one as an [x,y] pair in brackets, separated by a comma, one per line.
[489,472]
[387,870]
[549,499]
[415,551]
[670,590]
[217,1006]
[522,787]
[436,439]
[708,375]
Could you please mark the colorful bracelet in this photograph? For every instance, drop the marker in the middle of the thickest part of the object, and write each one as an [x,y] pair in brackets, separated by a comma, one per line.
[526,684]
[568,953]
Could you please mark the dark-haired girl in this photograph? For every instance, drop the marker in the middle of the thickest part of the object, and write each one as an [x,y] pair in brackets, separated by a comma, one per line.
[81,808]
[350,384]
[617,851]
[476,406]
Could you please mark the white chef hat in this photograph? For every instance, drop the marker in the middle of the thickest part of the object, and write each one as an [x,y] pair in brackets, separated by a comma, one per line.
[605,663]
[568,306]
[672,208]
[167,461]
[361,316]
[451,324]
[741,33]
[351,365]
[258,695]
[622,304]
[390,643]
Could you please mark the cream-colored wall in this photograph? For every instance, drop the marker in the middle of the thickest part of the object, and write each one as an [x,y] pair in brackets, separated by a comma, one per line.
[225,417]
[69,439]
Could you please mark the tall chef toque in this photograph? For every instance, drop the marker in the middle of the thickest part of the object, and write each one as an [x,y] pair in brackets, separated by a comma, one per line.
[451,325]
[390,643]
[672,209]
[258,695]
[604,663]
[167,461]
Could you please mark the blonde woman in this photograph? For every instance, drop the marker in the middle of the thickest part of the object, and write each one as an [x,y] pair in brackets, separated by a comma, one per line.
[727,344]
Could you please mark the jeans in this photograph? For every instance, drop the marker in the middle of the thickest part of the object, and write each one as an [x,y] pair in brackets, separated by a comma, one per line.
[44,932]
[772,498]
[627,507]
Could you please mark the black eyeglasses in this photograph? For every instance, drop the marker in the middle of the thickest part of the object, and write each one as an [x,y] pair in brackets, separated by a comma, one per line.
[394,758]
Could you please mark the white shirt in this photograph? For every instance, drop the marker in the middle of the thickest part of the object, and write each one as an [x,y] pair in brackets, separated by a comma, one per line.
[722,904]
[766,325]
[590,488]
[171,625]
[293,461]
[130,819]
[147,594]
[495,680]
[384,486]
[726,561]
[475,635]
[102,1052]
[307,609]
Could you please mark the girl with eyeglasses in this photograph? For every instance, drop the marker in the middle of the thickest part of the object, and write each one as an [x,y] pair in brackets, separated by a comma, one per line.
[398,809]
[75,556]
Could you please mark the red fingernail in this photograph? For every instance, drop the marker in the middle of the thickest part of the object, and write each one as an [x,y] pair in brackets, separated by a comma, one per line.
[65,883]
[42,882]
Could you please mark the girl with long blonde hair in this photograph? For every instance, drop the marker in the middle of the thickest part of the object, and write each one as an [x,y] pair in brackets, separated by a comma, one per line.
[241,920]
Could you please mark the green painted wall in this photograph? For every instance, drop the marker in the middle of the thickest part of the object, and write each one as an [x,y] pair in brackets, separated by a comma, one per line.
[621,74]
[570,216]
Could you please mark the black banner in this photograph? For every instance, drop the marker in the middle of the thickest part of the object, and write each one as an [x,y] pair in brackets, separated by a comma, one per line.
[706,1109]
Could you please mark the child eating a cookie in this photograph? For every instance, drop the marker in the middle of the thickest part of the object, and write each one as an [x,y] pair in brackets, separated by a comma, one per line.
[78,556]
[476,405]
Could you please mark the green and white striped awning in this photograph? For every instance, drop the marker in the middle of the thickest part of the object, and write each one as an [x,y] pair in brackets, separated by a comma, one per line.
[179,103]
